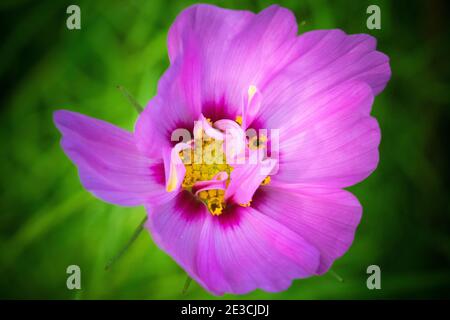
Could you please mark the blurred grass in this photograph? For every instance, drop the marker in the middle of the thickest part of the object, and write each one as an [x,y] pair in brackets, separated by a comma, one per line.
[48,221]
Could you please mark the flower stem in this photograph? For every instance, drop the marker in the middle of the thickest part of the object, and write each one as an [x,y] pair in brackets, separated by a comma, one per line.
[135,235]
[336,276]
[187,283]
[130,98]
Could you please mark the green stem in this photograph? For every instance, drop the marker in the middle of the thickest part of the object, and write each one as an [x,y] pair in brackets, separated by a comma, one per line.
[130,98]
[136,233]
[186,284]
[336,276]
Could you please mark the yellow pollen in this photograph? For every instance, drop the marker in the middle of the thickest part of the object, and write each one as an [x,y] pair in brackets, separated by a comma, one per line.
[257,143]
[202,164]
[215,206]
[239,120]
[245,205]
[203,195]
[266,181]
[251,92]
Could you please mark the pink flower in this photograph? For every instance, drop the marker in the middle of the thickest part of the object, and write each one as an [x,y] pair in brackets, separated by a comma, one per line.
[235,227]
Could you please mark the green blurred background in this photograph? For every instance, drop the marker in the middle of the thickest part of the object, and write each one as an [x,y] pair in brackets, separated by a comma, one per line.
[48,221]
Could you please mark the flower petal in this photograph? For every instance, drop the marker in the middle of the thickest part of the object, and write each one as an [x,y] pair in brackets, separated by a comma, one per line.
[244,250]
[217,182]
[246,178]
[237,252]
[109,164]
[327,58]
[251,106]
[238,50]
[174,167]
[203,124]
[176,227]
[177,105]
[331,142]
[326,218]
[234,139]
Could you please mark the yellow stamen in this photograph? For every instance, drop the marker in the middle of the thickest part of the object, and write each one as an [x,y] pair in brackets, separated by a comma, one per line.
[239,120]
[251,92]
[215,206]
[173,179]
[203,195]
[266,181]
[245,205]
[257,143]
[209,160]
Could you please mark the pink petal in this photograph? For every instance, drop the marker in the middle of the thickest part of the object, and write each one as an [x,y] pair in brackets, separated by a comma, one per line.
[251,106]
[203,124]
[176,227]
[177,104]
[234,139]
[247,250]
[109,164]
[217,182]
[238,252]
[174,167]
[333,141]
[246,178]
[327,58]
[238,49]
[326,218]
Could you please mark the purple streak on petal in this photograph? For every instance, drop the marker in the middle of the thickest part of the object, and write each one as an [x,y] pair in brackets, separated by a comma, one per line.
[326,218]
[109,164]
[333,141]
